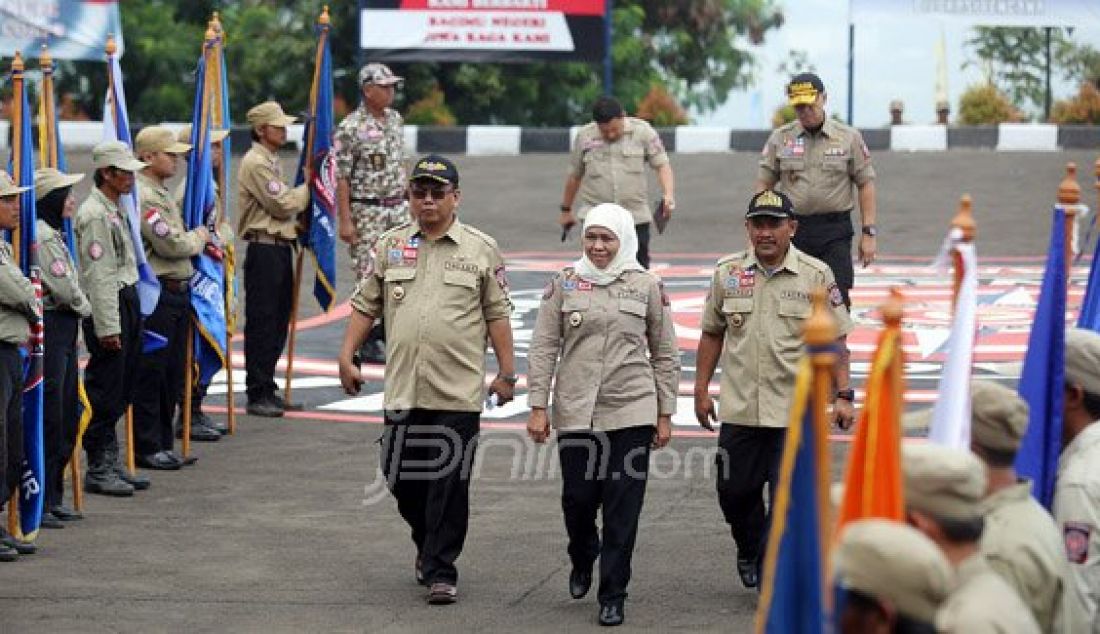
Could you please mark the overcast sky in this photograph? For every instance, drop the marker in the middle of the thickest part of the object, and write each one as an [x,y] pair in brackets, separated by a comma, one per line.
[895,61]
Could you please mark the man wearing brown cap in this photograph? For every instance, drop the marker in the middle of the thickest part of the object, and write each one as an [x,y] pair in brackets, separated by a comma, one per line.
[108,274]
[369,146]
[890,578]
[268,222]
[943,490]
[1077,491]
[1020,540]
[818,161]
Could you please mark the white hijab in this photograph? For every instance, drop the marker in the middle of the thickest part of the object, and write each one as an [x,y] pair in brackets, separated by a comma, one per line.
[621,223]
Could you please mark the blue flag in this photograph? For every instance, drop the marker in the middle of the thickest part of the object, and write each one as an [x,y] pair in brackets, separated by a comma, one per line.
[116,127]
[792,595]
[1089,318]
[199,199]
[1042,380]
[320,239]
[32,475]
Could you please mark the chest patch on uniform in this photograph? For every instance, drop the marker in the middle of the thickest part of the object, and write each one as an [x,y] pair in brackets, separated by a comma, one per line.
[836,150]
[411,250]
[793,147]
[115,220]
[634,294]
[801,296]
[501,276]
[160,228]
[469,267]
[371,133]
[95,250]
[393,256]
[1077,535]
[58,268]
[835,296]
[747,279]
[274,186]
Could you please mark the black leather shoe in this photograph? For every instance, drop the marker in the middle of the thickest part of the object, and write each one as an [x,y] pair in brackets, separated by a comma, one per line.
[184,462]
[266,408]
[66,514]
[7,553]
[49,521]
[611,614]
[159,461]
[136,480]
[20,546]
[579,582]
[200,432]
[746,568]
[287,407]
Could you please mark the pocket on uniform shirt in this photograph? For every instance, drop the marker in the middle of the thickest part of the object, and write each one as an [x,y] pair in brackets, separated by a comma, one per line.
[634,158]
[633,307]
[737,311]
[792,314]
[576,301]
[835,164]
[792,164]
[460,278]
[400,274]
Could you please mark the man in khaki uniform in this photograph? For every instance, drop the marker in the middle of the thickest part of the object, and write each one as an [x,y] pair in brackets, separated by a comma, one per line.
[891,578]
[943,490]
[268,222]
[608,166]
[1077,492]
[752,321]
[108,274]
[816,161]
[442,289]
[1020,541]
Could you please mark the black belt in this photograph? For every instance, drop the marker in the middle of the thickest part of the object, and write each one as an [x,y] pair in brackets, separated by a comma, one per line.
[392,201]
[175,286]
[827,217]
[7,345]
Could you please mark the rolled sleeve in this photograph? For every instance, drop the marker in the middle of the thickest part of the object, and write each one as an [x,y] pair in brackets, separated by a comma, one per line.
[542,357]
[862,171]
[769,162]
[576,157]
[368,295]
[655,153]
[714,322]
[495,302]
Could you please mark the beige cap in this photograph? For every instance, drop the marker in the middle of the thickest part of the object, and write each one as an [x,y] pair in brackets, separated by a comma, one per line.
[268,113]
[184,135]
[893,562]
[7,185]
[1083,359]
[998,416]
[115,154]
[47,179]
[158,139]
[941,481]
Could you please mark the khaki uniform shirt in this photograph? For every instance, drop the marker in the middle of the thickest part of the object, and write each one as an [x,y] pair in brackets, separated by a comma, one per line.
[620,365]
[816,170]
[761,317]
[1077,511]
[436,299]
[17,300]
[983,603]
[168,244]
[225,229]
[370,154]
[1021,543]
[107,261]
[60,289]
[615,172]
[267,204]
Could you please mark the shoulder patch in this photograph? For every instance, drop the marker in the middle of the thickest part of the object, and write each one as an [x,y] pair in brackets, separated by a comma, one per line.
[58,268]
[1077,536]
[501,276]
[835,297]
[160,228]
[274,186]
[95,250]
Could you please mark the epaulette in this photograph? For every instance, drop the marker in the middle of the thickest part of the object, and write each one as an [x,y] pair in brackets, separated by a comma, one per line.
[488,239]
[740,255]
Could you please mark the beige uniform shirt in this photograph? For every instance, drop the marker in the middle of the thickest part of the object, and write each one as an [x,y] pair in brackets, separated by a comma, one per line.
[816,171]
[983,603]
[760,316]
[437,299]
[17,301]
[267,204]
[225,229]
[168,244]
[1077,511]
[620,365]
[106,258]
[1021,543]
[60,289]
[615,172]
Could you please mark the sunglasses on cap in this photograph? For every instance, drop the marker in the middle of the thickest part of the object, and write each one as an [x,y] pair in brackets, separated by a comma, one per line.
[437,193]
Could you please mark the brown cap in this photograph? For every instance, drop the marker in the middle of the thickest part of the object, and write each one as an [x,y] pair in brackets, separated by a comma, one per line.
[184,135]
[379,74]
[998,416]
[158,139]
[115,154]
[893,562]
[1083,359]
[7,186]
[47,179]
[268,113]
[943,482]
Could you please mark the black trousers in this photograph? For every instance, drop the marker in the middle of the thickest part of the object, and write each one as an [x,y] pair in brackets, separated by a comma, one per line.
[60,414]
[608,470]
[109,375]
[747,459]
[643,243]
[11,421]
[160,374]
[428,459]
[268,282]
[828,237]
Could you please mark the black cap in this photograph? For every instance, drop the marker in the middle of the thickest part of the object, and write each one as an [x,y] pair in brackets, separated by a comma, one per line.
[437,168]
[804,88]
[770,203]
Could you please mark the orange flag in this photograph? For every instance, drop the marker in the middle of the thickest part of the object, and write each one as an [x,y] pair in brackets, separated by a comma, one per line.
[872,483]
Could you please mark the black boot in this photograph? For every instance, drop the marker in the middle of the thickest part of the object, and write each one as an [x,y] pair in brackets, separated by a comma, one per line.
[136,480]
[101,478]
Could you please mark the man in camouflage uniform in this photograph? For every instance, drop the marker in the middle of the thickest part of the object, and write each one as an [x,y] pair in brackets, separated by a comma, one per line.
[370,186]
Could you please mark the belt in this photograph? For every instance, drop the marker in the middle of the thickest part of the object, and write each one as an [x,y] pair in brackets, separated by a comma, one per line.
[175,286]
[392,201]
[830,216]
[266,238]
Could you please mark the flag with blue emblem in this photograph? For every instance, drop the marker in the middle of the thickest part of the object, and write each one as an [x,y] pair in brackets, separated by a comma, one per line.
[320,239]
[1042,379]
[1089,317]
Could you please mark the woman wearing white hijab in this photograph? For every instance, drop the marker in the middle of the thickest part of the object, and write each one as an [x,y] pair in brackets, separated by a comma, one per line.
[604,338]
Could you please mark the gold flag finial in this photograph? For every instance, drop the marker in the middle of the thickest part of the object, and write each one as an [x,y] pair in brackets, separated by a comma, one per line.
[17,63]
[211,34]
[324,19]
[45,60]
[893,308]
[964,219]
[820,328]
[112,46]
[1069,192]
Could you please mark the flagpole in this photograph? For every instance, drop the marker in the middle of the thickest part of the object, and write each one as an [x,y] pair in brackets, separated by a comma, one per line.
[16,154]
[1069,197]
[220,177]
[964,222]
[820,334]
[323,21]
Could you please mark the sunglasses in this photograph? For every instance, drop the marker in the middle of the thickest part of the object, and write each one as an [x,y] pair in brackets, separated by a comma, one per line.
[437,193]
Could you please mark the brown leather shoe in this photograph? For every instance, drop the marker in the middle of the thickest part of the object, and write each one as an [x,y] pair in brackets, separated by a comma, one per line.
[442,593]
